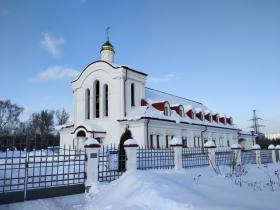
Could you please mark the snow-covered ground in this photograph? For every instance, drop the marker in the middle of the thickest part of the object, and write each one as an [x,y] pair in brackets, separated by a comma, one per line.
[257,188]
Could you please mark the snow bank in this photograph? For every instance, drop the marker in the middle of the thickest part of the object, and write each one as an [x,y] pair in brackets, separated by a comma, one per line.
[192,189]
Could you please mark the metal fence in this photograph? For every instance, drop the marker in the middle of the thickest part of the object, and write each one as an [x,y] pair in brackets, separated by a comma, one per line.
[111,163]
[224,157]
[266,156]
[194,157]
[248,157]
[160,158]
[41,173]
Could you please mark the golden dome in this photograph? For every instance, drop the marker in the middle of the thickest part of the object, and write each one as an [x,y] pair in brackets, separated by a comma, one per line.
[107,46]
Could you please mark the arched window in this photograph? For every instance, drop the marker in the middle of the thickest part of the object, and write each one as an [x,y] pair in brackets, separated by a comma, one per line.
[181,111]
[97,99]
[193,114]
[81,134]
[132,94]
[166,110]
[106,103]
[202,116]
[87,104]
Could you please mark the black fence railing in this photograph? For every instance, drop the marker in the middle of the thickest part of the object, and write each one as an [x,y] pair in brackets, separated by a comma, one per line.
[51,172]
[160,158]
[266,156]
[194,157]
[248,157]
[111,163]
[224,157]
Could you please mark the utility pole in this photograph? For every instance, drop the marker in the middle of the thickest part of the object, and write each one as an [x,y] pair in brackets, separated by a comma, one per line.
[255,126]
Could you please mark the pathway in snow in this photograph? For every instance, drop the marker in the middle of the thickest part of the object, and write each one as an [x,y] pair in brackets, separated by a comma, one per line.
[71,202]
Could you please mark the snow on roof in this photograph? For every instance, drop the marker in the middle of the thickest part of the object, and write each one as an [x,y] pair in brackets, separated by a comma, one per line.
[130,142]
[256,146]
[235,146]
[271,146]
[59,127]
[209,144]
[90,127]
[188,107]
[156,95]
[149,111]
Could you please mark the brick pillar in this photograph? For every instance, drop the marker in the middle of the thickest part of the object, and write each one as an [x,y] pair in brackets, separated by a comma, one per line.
[130,147]
[256,148]
[176,144]
[236,148]
[273,152]
[210,145]
[92,147]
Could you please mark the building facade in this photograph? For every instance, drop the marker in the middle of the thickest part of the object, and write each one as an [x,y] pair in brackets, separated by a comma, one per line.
[107,98]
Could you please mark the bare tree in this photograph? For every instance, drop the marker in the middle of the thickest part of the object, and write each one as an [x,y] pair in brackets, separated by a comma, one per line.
[42,122]
[9,116]
[62,116]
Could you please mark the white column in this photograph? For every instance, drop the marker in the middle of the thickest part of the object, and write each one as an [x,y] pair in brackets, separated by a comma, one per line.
[236,148]
[257,149]
[176,144]
[210,145]
[273,152]
[130,147]
[92,147]
[278,150]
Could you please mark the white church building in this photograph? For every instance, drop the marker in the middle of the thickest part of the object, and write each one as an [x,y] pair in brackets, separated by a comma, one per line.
[107,98]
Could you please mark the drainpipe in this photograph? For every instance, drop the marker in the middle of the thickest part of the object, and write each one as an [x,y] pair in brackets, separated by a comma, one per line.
[202,132]
[124,99]
[147,128]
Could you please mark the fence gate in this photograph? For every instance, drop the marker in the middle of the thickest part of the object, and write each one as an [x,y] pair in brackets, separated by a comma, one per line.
[41,174]
[111,163]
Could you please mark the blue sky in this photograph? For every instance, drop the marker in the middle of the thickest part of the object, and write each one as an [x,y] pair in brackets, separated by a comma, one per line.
[222,53]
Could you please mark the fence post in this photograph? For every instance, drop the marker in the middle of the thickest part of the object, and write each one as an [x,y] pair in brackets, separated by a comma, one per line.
[92,147]
[210,145]
[273,152]
[237,153]
[130,146]
[257,149]
[278,150]
[176,144]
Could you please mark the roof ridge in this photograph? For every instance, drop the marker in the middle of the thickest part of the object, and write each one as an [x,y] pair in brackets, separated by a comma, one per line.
[174,95]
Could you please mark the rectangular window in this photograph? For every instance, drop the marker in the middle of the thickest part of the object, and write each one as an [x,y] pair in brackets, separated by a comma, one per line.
[184,141]
[194,141]
[158,141]
[151,142]
[132,95]
[166,141]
